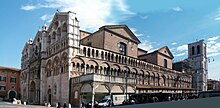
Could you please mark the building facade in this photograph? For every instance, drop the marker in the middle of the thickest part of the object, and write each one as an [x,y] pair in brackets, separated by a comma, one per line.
[213,85]
[9,83]
[198,60]
[65,64]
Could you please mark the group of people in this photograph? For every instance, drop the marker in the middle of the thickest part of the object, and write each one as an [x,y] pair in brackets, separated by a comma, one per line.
[58,105]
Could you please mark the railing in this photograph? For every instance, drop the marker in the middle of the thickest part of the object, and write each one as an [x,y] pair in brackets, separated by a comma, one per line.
[84,50]
[102,78]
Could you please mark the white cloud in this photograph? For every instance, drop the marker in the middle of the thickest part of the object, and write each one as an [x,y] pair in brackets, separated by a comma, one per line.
[217,17]
[180,54]
[174,43]
[135,32]
[213,54]
[92,13]
[213,48]
[146,45]
[28,7]
[144,17]
[46,17]
[213,38]
[182,48]
[177,9]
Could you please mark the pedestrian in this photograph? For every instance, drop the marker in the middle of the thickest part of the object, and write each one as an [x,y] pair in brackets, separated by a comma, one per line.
[83,105]
[69,105]
[58,105]
[169,98]
[48,105]
[64,105]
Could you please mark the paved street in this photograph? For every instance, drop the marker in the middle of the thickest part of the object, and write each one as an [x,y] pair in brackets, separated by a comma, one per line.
[10,105]
[196,103]
[213,102]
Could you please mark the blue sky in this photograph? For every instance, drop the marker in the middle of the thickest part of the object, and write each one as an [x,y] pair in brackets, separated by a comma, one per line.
[157,23]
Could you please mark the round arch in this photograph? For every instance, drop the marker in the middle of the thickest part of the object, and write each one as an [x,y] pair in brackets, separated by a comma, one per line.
[117,89]
[12,94]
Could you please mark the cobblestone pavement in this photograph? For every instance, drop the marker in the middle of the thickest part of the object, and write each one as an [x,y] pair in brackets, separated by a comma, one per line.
[10,105]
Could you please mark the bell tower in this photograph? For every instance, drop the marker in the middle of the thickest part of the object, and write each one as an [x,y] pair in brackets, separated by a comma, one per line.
[198,61]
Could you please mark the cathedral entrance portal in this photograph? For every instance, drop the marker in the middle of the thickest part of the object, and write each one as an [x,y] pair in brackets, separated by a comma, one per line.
[32,92]
[49,95]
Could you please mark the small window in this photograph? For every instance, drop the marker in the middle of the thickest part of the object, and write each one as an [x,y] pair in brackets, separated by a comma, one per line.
[2,87]
[122,48]
[13,80]
[165,63]
[2,79]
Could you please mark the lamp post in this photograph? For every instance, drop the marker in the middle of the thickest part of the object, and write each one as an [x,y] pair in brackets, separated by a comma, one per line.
[126,77]
[126,82]
[123,49]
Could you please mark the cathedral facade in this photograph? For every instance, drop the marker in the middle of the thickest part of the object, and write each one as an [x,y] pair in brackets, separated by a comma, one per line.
[65,64]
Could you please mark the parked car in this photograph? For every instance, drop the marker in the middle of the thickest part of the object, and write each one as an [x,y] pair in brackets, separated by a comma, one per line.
[89,104]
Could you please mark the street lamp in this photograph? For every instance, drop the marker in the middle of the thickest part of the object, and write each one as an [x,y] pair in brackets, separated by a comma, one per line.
[123,49]
[211,59]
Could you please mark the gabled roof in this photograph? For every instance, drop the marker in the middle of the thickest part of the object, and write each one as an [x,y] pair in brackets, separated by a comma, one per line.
[109,27]
[167,49]
[169,52]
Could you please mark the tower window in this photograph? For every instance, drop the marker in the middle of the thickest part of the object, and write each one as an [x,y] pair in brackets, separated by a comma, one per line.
[193,50]
[198,49]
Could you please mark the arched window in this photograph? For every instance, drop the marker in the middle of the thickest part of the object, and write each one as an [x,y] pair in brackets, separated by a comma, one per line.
[64,28]
[105,71]
[84,51]
[116,58]
[112,57]
[101,70]
[77,67]
[102,55]
[55,89]
[88,52]
[87,69]
[198,49]
[76,95]
[193,50]
[54,36]
[93,53]
[82,68]
[96,69]
[58,33]
[108,56]
[73,65]
[97,53]
[92,69]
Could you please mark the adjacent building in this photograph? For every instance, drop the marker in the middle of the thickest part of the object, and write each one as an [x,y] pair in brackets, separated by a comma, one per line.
[9,83]
[65,64]
[213,85]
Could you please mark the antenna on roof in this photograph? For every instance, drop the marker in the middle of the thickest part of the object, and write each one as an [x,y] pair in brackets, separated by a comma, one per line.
[57,10]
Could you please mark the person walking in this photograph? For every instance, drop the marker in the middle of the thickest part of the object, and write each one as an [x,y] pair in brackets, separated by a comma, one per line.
[64,105]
